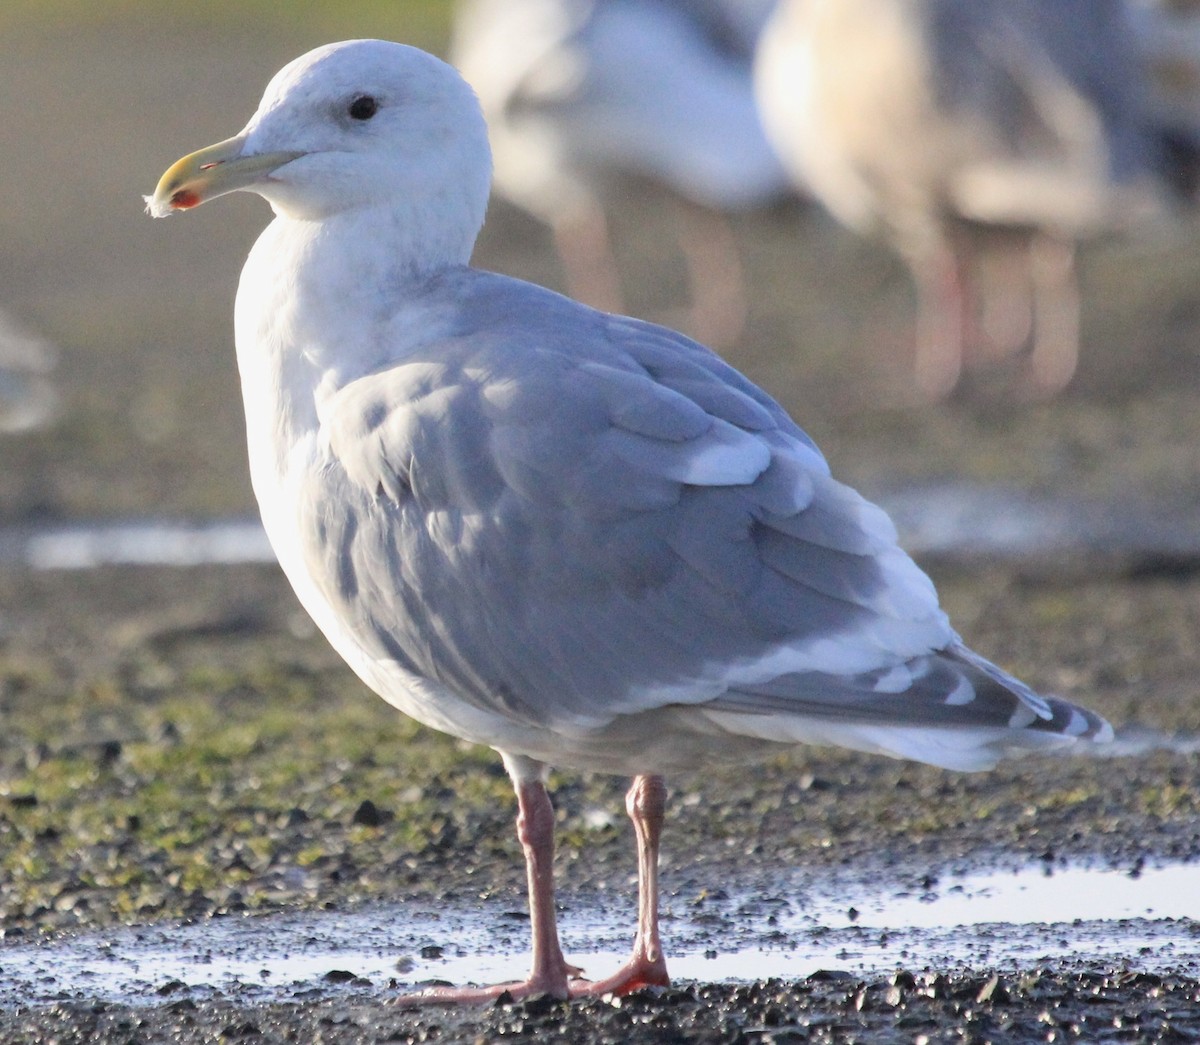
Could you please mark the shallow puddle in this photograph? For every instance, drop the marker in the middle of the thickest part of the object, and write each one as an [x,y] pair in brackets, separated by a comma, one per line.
[138,542]
[1001,919]
[952,520]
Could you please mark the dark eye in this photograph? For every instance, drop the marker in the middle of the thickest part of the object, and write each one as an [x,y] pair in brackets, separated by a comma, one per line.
[363,107]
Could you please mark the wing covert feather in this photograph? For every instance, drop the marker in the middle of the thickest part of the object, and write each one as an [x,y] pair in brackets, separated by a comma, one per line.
[620,492]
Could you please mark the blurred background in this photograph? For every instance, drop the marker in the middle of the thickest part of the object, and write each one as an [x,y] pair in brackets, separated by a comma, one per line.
[1061,528]
[139,412]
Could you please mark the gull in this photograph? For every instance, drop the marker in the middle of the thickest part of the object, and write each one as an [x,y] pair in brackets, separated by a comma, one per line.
[1167,35]
[579,94]
[959,128]
[580,539]
[29,398]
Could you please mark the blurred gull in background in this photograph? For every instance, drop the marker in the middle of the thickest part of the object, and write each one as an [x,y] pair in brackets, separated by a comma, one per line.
[1167,36]
[579,92]
[28,399]
[971,133]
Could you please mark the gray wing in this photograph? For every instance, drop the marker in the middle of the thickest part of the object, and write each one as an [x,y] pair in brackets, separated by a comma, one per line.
[580,517]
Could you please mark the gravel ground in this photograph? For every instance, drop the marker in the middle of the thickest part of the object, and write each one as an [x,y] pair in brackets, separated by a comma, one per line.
[1088,1004]
[179,744]
[171,758]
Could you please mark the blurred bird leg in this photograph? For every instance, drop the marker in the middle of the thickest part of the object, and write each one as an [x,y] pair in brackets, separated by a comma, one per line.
[716,311]
[1056,311]
[716,276]
[1017,117]
[1006,297]
[585,252]
[943,320]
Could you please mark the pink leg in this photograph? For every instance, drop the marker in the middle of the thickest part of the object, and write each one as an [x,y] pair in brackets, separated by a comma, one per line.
[715,277]
[549,972]
[944,320]
[1056,315]
[1006,321]
[589,267]
[646,803]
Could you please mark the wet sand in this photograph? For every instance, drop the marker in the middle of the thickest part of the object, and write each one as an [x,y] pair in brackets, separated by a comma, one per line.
[180,752]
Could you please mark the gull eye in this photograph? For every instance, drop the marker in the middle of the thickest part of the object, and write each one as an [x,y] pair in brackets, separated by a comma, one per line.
[363,107]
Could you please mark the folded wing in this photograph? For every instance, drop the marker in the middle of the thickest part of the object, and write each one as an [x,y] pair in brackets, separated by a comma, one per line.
[606,521]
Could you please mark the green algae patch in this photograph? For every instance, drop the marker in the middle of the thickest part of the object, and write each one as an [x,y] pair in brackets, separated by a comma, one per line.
[180,743]
[241,788]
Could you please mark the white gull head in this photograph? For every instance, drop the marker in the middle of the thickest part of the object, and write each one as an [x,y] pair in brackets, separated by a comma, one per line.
[355,127]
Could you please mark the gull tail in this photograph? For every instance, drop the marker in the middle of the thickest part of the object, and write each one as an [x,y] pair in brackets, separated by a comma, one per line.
[951,708]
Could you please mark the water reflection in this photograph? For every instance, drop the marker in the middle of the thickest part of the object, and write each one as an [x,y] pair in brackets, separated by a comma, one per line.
[137,543]
[1004,919]
[958,521]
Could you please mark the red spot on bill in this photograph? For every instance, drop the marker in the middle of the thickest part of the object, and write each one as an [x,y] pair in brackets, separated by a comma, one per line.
[185,199]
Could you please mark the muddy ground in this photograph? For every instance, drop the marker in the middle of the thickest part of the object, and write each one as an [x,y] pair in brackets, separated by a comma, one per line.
[180,744]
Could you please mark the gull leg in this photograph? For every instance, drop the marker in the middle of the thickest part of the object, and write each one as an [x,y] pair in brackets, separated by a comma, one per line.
[1006,321]
[589,266]
[646,803]
[549,972]
[1056,315]
[943,320]
[716,278]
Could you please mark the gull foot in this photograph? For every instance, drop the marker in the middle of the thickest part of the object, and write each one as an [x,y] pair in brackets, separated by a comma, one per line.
[632,976]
